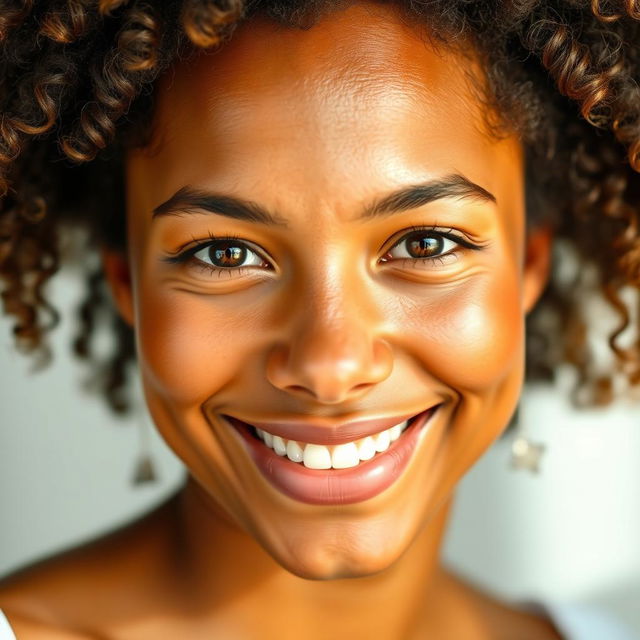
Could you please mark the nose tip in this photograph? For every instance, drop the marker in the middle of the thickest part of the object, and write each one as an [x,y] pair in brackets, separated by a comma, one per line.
[330,373]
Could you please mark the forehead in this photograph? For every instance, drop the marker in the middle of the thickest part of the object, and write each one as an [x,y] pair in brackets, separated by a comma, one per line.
[361,88]
[366,54]
[357,53]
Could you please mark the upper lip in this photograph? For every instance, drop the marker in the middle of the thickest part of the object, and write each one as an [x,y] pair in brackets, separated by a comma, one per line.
[328,433]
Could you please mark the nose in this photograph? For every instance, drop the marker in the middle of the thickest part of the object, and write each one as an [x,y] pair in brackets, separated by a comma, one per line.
[334,351]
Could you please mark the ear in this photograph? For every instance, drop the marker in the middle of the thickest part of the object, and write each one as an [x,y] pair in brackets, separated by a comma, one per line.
[537,264]
[118,276]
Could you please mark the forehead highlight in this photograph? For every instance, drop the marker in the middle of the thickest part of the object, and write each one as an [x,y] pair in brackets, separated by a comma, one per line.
[355,59]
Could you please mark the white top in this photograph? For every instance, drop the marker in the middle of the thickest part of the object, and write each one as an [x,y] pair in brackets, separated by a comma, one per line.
[574,621]
[5,629]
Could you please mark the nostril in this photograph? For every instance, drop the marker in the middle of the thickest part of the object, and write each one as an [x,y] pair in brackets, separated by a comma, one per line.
[298,388]
[329,369]
[362,387]
[330,396]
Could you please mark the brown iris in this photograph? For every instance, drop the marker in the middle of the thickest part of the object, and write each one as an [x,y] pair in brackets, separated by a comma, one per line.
[423,246]
[227,254]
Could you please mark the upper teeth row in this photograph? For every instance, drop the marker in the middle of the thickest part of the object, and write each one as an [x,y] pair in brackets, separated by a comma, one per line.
[341,456]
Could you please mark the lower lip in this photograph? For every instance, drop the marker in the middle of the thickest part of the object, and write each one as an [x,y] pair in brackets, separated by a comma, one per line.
[335,486]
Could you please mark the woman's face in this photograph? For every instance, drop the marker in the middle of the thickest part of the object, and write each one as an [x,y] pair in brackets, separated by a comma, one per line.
[377,269]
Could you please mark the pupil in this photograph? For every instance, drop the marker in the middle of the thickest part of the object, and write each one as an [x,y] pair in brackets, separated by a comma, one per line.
[425,246]
[228,255]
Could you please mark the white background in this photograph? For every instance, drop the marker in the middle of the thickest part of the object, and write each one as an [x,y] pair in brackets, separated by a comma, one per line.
[571,533]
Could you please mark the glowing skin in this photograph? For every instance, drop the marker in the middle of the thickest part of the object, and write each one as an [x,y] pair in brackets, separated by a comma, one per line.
[328,321]
[328,330]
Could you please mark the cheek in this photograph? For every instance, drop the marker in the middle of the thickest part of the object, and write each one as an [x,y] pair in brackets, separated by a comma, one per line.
[471,336]
[468,336]
[190,347]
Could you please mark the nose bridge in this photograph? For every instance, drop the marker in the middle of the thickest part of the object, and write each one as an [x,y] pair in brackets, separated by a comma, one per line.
[335,327]
[334,347]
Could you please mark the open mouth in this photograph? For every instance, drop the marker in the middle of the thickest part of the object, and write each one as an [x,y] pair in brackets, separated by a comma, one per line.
[342,473]
[340,456]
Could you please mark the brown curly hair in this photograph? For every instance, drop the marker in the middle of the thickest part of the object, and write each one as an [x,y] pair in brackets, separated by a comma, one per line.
[76,91]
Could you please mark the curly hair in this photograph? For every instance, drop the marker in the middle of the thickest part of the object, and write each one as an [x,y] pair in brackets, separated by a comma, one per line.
[76,92]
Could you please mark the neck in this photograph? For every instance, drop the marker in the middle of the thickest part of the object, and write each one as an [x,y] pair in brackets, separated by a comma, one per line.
[227,573]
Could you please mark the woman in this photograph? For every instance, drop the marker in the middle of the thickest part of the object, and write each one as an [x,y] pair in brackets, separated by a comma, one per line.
[323,230]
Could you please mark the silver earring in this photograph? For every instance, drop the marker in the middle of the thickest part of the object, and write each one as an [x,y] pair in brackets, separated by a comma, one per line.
[525,454]
[144,471]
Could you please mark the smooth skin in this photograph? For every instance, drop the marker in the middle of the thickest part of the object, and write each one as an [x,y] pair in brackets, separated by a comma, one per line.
[330,316]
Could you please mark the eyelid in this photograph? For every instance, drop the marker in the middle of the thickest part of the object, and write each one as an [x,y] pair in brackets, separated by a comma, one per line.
[195,244]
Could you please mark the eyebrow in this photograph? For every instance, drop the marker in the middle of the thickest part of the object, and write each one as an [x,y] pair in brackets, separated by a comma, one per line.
[190,200]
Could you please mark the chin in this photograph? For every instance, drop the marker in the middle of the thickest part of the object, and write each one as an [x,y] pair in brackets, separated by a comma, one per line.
[332,568]
[337,560]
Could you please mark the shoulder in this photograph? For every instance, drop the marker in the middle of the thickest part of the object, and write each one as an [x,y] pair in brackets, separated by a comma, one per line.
[481,615]
[86,590]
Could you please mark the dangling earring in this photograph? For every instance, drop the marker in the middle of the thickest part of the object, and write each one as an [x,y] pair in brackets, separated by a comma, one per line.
[144,471]
[525,454]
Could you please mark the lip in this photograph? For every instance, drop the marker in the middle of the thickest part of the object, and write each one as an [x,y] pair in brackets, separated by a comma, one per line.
[318,432]
[336,486]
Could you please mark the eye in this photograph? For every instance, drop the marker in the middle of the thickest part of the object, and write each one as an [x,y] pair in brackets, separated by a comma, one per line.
[427,245]
[227,254]
[220,255]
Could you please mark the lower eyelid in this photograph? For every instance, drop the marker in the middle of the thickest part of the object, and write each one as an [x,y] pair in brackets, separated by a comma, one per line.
[426,263]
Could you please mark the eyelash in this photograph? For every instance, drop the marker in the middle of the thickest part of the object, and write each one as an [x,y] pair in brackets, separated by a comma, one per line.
[186,256]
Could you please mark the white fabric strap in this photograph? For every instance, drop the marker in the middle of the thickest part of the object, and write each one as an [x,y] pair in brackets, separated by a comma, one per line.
[6,632]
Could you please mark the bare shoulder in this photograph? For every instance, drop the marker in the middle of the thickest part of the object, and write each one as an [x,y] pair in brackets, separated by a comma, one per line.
[82,592]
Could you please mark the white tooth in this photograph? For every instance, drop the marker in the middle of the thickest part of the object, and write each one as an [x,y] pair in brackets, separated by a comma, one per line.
[395,431]
[294,452]
[268,439]
[382,441]
[345,456]
[366,448]
[279,446]
[317,456]
[260,433]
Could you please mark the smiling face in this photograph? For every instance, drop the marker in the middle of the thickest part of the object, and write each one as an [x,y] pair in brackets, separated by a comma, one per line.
[322,232]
